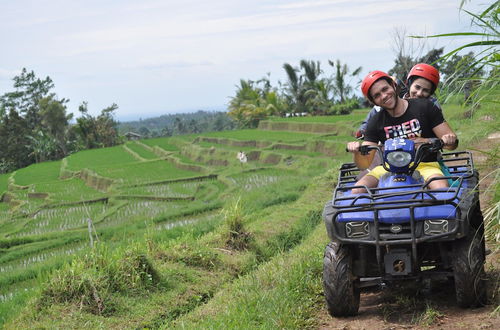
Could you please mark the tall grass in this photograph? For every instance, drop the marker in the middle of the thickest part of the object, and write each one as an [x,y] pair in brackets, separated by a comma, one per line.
[90,280]
[282,294]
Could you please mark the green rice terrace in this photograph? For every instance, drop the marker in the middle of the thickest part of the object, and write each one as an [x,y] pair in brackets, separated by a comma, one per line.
[177,232]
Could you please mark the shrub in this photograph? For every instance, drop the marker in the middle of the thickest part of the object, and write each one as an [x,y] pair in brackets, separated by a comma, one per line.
[193,256]
[236,236]
[91,280]
[343,108]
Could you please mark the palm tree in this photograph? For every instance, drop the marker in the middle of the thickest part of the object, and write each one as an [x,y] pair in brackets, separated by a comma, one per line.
[312,71]
[254,101]
[341,86]
[294,90]
[42,146]
[301,88]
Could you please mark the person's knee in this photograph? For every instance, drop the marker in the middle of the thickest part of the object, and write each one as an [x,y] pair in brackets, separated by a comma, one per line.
[437,183]
[358,191]
[368,181]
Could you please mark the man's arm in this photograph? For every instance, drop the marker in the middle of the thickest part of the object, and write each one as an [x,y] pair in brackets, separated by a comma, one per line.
[362,161]
[445,133]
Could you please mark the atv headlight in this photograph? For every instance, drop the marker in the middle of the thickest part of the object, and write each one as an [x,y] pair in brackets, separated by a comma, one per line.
[435,227]
[398,158]
[357,229]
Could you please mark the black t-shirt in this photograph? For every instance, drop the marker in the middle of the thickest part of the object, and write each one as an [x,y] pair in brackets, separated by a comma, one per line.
[419,119]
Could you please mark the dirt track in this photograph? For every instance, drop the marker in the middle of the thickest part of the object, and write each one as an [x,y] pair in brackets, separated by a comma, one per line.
[434,306]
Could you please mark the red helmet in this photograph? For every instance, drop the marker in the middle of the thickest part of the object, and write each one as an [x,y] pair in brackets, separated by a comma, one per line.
[425,71]
[370,79]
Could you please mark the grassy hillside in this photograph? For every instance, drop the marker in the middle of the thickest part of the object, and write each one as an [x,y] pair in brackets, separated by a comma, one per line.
[168,232]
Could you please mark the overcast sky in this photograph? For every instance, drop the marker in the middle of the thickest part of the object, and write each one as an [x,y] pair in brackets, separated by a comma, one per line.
[153,57]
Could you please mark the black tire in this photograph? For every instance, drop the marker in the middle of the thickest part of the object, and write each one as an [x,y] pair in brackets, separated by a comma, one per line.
[340,286]
[468,270]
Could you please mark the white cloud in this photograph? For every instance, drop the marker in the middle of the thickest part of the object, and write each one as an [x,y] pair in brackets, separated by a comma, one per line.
[8,73]
[116,43]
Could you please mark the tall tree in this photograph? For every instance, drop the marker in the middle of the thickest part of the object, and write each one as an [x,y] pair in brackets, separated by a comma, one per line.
[253,102]
[97,132]
[302,89]
[341,84]
[55,122]
[179,126]
[29,90]
[14,149]
[294,89]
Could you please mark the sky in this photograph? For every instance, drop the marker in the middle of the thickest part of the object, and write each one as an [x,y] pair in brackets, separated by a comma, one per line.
[155,57]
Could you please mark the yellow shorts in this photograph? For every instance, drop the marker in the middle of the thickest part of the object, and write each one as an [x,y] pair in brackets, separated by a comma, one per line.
[426,170]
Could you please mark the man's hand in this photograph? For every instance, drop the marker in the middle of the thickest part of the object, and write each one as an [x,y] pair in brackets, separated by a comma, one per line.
[449,139]
[353,146]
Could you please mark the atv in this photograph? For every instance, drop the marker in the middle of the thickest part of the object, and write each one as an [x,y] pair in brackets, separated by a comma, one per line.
[403,231]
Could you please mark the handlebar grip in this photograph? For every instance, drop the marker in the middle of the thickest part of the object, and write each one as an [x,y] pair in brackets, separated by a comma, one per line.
[364,150]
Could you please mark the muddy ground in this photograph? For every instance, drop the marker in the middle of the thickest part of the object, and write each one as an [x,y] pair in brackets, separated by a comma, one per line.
[433,305]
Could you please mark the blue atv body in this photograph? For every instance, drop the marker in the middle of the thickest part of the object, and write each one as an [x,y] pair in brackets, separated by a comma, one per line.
[401,230]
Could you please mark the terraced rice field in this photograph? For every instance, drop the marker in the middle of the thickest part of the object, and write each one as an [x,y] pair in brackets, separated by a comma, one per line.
[165,188]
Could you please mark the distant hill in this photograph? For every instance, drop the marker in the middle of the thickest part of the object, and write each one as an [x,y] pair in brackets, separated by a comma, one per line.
[180,123]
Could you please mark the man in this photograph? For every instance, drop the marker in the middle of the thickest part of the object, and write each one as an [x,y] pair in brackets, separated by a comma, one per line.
[416,119]
[421,82]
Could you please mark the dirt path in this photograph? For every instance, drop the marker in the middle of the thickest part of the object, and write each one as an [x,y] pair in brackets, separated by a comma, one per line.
[433,307]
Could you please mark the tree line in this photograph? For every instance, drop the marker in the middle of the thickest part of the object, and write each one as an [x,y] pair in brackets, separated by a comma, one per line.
[310,90]
[176,124]
[306,90]
[35,124]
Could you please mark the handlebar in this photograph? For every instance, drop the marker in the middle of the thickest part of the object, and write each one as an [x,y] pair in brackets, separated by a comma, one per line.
[432,145]
[364,150]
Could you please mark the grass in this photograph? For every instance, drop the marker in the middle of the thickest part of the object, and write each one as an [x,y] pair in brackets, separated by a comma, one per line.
[41,172]
[258,135]
[150,171]
[164,143]
[357,115]
[281,294]
[180,189]
[60,219]
[97,158]
[141,151]
[464,121]
[166,263]
[69,190]
[4,180]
